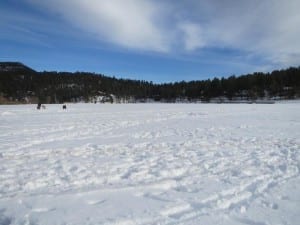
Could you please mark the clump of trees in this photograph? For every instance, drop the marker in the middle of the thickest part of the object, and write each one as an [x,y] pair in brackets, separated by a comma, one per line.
[18,83]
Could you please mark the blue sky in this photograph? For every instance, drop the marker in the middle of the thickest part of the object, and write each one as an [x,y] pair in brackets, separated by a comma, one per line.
[157,40]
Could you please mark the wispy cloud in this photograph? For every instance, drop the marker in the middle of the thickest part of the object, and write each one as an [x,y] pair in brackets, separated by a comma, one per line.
[131,23]
[192,36]
[266,29]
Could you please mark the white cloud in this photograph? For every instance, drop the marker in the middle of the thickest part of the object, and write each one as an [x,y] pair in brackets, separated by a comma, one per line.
[192,35]
[266,29]
[128,23]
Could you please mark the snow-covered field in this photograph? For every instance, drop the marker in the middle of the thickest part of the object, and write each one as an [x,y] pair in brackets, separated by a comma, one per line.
[150,164]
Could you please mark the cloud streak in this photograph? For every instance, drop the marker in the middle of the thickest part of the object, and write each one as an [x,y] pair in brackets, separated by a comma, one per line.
[130,23]
[266,29]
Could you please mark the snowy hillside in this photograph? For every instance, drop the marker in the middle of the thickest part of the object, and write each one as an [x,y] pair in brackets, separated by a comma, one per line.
[150,164]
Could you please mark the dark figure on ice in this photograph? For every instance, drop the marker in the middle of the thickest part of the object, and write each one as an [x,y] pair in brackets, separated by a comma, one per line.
[64,106]
[39,105]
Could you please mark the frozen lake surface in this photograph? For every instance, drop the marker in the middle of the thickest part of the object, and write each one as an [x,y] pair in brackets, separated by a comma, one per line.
[150,164]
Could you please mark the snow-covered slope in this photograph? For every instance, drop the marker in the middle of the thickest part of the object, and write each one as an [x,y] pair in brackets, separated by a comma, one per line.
[150,164]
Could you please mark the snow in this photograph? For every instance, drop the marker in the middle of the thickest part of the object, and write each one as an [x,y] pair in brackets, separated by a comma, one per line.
[150,164]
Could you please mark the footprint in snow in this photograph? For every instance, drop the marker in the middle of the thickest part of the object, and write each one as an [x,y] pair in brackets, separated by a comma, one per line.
[95,202]
[41,210]
[270,205]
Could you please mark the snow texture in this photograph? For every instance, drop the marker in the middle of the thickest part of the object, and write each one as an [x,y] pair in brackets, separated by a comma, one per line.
[150,164]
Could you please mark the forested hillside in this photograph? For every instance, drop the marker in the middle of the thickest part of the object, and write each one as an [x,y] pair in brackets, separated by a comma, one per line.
[21,84]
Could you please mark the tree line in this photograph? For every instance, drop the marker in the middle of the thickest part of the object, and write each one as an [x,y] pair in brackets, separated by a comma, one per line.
[19,82]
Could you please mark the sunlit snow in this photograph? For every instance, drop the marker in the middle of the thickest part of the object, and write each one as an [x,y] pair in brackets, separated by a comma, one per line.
[150,164]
